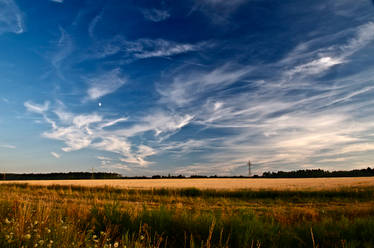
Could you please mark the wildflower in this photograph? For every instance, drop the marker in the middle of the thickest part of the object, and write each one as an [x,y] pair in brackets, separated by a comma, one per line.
[64,227]
[48,230]
[94,236]
[41,242]
[7,236]
[7,221]
[115,244]
[51,241]
[28,236]
[141,237]
[36,222]
[36,245]
[101,233]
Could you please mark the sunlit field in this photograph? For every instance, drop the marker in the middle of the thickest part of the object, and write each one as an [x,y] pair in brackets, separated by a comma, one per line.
[216,183]
[155,216]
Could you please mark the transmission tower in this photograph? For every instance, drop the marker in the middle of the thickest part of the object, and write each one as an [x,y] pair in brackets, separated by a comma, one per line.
[249,168]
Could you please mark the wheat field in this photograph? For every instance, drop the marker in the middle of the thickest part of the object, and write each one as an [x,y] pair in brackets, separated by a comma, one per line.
[215,183]
[188,213]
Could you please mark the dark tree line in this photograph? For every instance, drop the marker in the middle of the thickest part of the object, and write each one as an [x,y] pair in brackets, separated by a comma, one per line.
[368,172]
[61,176]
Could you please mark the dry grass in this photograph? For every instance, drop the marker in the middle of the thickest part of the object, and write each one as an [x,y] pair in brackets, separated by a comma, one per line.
[102,217]
[217,183]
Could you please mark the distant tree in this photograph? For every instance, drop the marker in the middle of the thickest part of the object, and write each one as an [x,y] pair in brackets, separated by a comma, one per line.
[320,173]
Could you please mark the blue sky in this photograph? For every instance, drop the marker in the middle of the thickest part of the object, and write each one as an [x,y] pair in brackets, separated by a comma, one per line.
[186,87]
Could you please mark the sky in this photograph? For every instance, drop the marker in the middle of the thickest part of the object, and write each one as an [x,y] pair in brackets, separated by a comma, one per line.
[186,87]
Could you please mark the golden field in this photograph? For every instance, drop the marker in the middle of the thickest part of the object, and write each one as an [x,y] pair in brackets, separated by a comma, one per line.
[215,183]
[188,213]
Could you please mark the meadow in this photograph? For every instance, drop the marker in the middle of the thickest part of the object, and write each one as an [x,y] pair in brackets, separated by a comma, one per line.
[107,216]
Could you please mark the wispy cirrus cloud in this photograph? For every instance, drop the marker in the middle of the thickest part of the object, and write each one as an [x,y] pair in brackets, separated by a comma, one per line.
[11,20]
[63,50]
[145,48]
[93,23]
[286,120]
[192,86]
[318,61]
[155,15]
[217,10]
[104,84]
[314,67]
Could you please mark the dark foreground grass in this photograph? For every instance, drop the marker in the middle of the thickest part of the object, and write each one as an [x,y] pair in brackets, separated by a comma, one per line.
[60,216]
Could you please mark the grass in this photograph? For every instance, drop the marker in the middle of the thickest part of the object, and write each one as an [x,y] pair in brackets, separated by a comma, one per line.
[76,216]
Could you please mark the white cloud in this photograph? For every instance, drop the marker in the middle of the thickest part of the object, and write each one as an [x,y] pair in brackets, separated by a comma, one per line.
[104,84]
[113,122]
[57,1]
[360,147]
[8,146]
[10,18]
[118,166]
[155,15]
[314,67]
[63,115]
[114,144]
[138,157]
[335,160]
[162,122]
[104,158]
[36,108]
[77,135]
[214,168]
[79,131]
[56,155]
[85,120]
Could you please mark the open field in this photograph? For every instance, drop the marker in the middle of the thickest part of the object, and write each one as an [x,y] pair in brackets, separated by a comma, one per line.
[216,183]
[77,216]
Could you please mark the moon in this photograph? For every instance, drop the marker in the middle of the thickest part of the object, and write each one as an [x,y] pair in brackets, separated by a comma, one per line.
[99,104]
